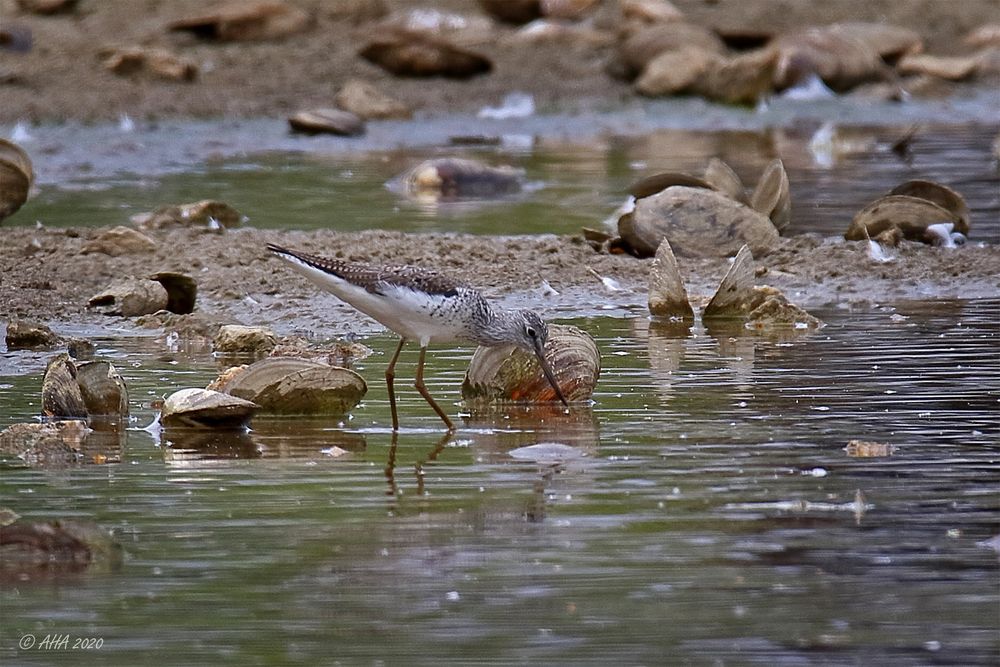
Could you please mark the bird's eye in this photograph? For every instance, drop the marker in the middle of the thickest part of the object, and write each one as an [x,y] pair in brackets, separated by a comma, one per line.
[530,331]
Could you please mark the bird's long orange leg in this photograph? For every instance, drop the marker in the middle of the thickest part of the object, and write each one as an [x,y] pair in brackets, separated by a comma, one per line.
[390,375]
[422,388]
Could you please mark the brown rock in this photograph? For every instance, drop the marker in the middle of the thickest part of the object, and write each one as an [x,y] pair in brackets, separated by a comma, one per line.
[890,42]
[414,54]
[639,48]
[120,241]
[567,9]
[246,21]
[239,339]
[841,60]
[673,72]
[742,79]
[368,102]
[23,335]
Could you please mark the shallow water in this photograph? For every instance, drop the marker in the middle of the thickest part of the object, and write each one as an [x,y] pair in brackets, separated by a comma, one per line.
[705,511]
[570,183]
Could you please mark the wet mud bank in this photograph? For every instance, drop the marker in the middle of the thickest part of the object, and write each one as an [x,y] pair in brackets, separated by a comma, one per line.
[47,275]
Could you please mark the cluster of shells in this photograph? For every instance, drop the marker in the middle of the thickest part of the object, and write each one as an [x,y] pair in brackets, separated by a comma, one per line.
[710,215]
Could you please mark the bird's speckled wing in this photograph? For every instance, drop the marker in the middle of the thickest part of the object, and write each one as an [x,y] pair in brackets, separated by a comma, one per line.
[376,278]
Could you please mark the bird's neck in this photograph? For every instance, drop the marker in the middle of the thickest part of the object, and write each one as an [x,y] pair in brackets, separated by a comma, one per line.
[494,326]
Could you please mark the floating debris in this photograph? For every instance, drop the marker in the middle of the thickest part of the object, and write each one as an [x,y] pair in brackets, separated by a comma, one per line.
[864,449]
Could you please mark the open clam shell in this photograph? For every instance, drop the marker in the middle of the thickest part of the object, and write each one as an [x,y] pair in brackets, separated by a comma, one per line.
[941,195]
[698,222]
[912,215]
[772,196]
[667,296]
[204,408]
[61,395]
[507,373]
[288,385]
[182,291]
[650,185]
[103,389]
[721,177]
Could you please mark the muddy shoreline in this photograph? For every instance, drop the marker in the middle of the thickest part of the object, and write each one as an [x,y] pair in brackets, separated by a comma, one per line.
[47,277]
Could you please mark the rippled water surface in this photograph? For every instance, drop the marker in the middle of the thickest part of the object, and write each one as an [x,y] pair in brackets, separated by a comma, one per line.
[705,511]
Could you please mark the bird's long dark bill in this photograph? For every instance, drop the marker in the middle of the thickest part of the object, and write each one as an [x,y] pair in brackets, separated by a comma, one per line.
[549,375]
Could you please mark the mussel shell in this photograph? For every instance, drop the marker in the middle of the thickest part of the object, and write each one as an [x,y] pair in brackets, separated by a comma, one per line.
[639,48]
[17,156]
[287,385]
[508,373]
[16,178]
[103,389]
[667,296]
[130,296]
[204,408]
[182,291]
[650,185]
[460,177]
[413,54]
[698,223]
[941,195]
[721,177]
[61,395]
[912,215]
[772,196]
[329,121]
